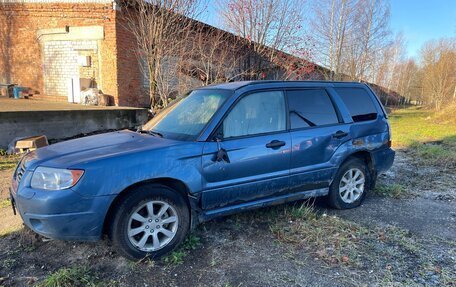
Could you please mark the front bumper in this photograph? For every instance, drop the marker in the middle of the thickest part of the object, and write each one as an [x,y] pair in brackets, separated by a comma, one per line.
[63,214]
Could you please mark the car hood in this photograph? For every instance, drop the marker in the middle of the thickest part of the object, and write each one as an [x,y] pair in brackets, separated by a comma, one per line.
[82,150]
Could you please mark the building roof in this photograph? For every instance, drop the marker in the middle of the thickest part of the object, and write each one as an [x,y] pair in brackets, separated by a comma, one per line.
[230,85]
[241,84]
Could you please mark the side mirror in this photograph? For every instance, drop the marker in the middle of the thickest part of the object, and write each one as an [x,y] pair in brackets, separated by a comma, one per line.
[221,154]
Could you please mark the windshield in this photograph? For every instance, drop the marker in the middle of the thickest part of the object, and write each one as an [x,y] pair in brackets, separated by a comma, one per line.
[186,118]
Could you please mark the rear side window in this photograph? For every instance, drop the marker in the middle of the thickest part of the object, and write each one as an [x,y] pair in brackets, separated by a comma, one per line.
[359,103]
[310,108]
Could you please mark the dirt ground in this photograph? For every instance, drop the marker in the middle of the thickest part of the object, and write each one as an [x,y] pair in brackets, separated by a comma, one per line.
[402,240]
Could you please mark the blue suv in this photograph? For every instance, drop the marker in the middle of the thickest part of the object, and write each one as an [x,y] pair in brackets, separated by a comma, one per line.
[219,150]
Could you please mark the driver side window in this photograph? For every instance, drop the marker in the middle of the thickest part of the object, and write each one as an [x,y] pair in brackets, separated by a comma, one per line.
[257,113]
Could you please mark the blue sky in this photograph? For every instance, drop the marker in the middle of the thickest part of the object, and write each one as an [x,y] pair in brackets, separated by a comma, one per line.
[423,20]
[418,20]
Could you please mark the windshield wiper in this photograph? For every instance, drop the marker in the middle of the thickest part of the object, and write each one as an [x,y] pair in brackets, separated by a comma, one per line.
[155,133]
[303,118]
[151,132]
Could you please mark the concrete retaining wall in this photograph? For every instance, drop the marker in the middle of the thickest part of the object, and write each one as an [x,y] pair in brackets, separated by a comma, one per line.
[64,124]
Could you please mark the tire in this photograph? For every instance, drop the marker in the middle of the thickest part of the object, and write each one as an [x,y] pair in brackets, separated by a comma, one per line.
[133,217]
[344,193]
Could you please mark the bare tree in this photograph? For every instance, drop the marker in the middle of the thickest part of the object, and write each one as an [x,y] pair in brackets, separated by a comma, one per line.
[270,26]
[331,23]
[161,29]
[387,65]
[350,34]
[407,81]
[394,56]
[372,37]
[439,66]
[216,55]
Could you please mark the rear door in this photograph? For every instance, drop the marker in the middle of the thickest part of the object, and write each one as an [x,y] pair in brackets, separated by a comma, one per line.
[257,144]
[316,131]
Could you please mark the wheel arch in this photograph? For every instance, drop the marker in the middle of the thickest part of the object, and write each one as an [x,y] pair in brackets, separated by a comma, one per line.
[366,157]
[172,183]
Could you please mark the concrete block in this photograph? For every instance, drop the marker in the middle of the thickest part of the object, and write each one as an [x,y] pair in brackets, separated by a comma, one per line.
[65,124]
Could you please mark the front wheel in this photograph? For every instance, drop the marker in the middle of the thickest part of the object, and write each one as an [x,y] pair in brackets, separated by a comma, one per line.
[150,222]
[350,185]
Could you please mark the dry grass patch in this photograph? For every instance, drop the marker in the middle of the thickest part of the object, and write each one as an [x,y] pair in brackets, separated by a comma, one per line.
[446,115]
[388,254]
[440,153]
[8,161]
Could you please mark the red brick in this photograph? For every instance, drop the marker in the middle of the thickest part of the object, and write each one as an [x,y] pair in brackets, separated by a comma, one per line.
[21,55]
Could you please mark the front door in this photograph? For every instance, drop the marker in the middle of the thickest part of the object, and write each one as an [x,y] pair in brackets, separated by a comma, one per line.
[257,144]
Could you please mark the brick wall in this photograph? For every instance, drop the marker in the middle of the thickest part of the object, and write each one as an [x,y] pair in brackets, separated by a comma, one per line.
[45,66]
[21,57]
[131,81]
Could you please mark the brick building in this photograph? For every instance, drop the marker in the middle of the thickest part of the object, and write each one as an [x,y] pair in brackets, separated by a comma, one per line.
[58,47]
[47,45]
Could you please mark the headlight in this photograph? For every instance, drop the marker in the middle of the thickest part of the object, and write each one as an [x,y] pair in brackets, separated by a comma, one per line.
[55,178]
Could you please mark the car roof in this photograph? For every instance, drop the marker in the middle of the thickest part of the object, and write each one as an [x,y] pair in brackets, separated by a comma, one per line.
[241,84]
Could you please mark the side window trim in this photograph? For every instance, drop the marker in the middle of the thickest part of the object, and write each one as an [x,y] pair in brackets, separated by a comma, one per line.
[219,126]
[342,110]
[340,118]
[377,99]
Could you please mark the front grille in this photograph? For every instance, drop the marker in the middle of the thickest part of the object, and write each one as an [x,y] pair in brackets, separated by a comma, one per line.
[20,171]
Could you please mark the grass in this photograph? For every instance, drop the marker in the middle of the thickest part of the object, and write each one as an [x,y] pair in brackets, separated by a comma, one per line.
[391,254]
[5,203]
[329,238]
[8,231]
[8,263]
[70,277]
[417,125]
[431,140]
[442,153]
[447,115]
[391,190]
[177,256]
[8,161]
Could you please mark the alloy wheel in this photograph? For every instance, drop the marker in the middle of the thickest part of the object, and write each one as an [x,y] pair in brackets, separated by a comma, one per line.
[351,185]
[152,225]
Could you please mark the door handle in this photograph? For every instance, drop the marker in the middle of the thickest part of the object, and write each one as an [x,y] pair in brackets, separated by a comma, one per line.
[340,134]
[275,144]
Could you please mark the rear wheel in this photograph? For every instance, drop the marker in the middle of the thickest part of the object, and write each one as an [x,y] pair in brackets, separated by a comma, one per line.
[350,184]
[150,221]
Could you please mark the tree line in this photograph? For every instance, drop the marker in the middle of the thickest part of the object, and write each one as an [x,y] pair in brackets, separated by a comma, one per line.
[351,39]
